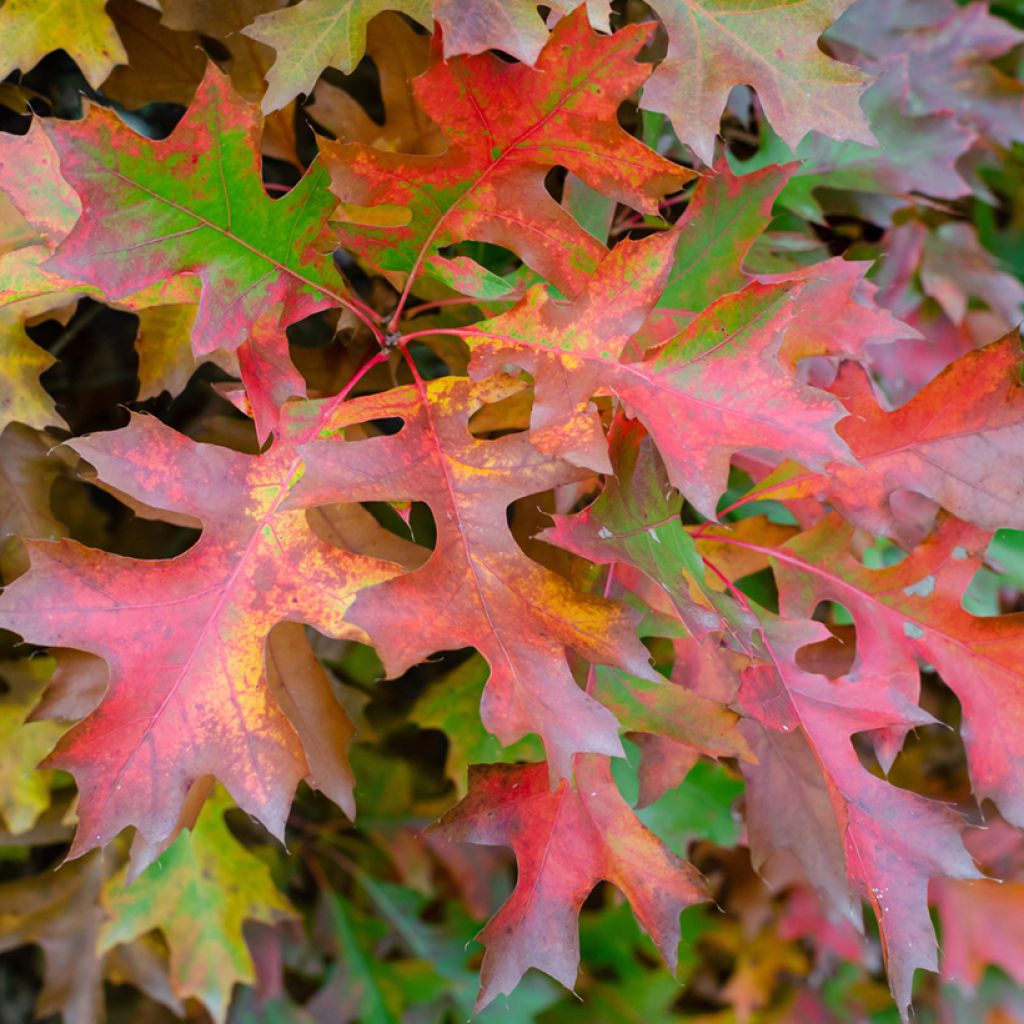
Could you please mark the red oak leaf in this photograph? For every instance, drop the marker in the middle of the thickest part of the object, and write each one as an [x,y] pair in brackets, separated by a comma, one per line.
[913,610]
[720,376]
[565,842]
[478,588]
[854,834]
[909,611]
[958,442]
[893,841]
[185,637]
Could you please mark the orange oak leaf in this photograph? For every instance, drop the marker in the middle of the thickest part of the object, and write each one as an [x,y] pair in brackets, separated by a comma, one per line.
[185,637]
[507,126]
[478,588]
[565,842]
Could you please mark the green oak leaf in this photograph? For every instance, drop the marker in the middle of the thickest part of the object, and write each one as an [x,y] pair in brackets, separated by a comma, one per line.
[198,893]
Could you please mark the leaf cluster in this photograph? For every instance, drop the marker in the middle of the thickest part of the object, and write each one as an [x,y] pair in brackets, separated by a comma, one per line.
[560,466]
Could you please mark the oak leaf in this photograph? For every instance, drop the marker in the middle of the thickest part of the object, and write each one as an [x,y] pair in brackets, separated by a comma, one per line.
[716,44]
[565,842]
[184,638]
[199,894]
[507,125]
[892,842]
[400,55]
[727,214]
[908,612]
[193,204]
[512,26]
[26,478]
[477,588]
[937,56]
[22,397]
[959,442]
[913,610]
[635,521]
[316,34]
[914,154]
[80,27]
[574,350]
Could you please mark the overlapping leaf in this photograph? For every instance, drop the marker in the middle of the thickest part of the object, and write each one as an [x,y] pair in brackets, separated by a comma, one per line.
[400,56]
[199,894]
[716,44]
[914,46]
[913,610]
[958,442]
[184,638]
[565,842]
[478,588]
[512,26]
[574,349]
[725,217]
[854,834]
[720,351]
[316,34]
[507,125]
[194,204]
[60,912]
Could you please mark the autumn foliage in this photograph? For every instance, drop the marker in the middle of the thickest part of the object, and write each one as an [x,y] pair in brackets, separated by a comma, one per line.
[559,467]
